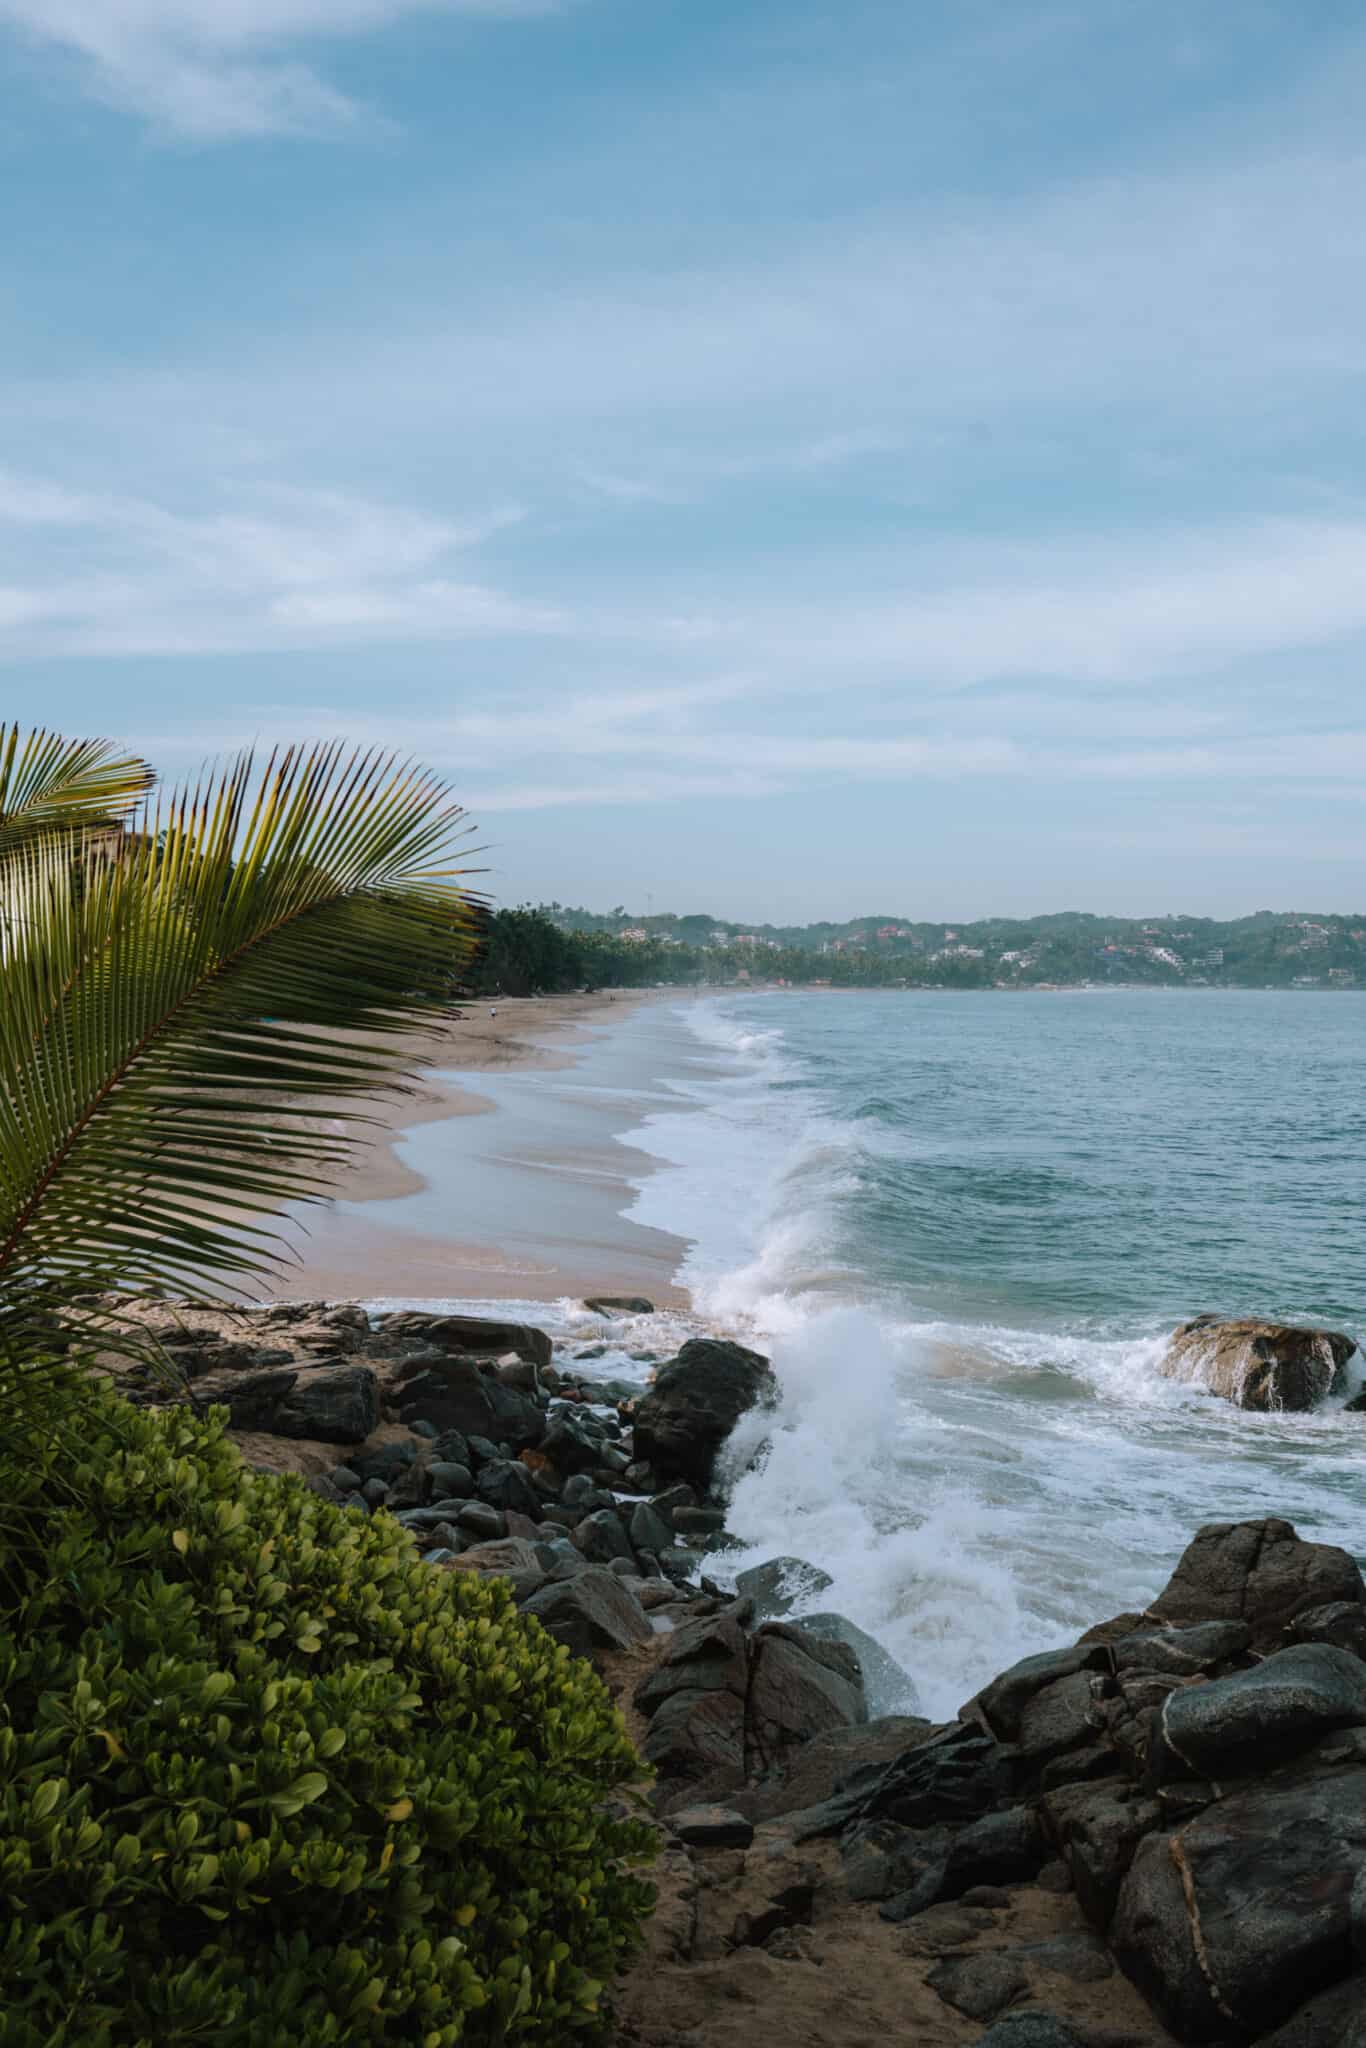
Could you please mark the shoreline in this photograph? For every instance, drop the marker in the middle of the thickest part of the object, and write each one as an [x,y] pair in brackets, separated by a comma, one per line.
[375,1237]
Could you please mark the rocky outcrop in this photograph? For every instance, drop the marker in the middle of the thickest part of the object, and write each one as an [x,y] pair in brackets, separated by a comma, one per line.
[695,1403]
[480,1335]
[1260,1573]
[1259,1365]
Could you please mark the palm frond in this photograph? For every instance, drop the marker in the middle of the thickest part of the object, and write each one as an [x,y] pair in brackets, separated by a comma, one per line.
[48,783]
[172,1020]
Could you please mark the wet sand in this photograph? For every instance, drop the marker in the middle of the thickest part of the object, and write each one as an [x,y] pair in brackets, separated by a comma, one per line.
[551,1206]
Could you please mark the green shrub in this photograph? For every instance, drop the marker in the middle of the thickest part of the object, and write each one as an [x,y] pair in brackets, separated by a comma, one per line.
[266,1781]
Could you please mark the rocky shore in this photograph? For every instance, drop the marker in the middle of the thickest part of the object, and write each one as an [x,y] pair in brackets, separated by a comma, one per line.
[1156,1834]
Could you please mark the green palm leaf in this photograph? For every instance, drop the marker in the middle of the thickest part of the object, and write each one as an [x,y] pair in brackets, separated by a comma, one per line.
[172,1013]
[48,783]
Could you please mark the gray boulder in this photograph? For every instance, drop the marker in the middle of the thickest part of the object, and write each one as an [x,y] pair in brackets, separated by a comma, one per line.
[695,1403]
[454,1394]
[619,1305]
[573,1444]
[1260,1717]
[887,1688]
[1335,2019]
[707,1655]
[979,1985]
[331,1404]
[1002,1704]
[1343,1622]
[592,1611]
[1260,1573]
[602,1539]
[1184,1652]
[513,1559]
[485,1337]
[799,1686]
[505,1483]
[781,1584]
[1235,1921]
[1258,1365]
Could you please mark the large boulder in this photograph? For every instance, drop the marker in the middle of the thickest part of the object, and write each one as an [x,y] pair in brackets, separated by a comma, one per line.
[695,1403]
[454,1394]
[1260,1573]
[1258,1718]
[799,1686]
[331,1404]
[592,1611]
[1259,1365]
[1231,1923]
[481,1335]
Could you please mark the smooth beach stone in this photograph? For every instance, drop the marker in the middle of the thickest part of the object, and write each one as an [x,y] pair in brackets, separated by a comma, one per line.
[452,1448]
[345,1479]
[424,1428]
[667,1503]
[619,1305]
[699,1521]
[450,1481]
[1263,1715]
[979,1985]
[376,1492]
[572,1445]
[505,1483]
[480,1519]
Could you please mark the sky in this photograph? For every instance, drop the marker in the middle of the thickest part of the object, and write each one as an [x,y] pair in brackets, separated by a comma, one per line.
[777,458]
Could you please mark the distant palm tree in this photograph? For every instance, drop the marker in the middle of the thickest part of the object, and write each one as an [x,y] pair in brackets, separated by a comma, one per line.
[181,981]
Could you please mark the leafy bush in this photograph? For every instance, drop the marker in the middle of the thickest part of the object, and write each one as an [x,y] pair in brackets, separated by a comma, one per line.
[266,1781]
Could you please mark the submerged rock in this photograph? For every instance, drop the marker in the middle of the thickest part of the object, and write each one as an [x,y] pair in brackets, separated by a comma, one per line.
[1258,1365]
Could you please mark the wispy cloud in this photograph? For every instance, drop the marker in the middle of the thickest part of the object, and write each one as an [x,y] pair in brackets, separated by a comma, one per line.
[219,70]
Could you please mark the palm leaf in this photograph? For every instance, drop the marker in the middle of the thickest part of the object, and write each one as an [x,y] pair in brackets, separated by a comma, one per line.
[48,783]
[171,1018]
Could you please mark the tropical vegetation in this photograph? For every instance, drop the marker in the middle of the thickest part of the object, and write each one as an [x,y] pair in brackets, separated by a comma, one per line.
[266,1781]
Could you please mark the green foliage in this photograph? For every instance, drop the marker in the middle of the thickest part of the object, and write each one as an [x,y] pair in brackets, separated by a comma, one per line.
[266,1781]
[179,990]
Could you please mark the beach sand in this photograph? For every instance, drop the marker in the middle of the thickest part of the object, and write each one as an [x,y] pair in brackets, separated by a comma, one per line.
[552,1215]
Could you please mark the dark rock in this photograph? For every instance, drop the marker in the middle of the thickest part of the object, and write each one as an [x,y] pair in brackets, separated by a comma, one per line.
[572,1445]
[451,1481]
[1232,1725]
[423,1428]
[711,1827]
[1343,1623]
[336,1404]
[648,1531]
[979,1985]
[619,1305]
[838,1760]
[692,1522]
[1184,1652]
[1003,1702]
[1335,2019]
[345,1479]
[1062,1716]
[940,1929]
[782,1584]
[1257,1572]
[1054,1877]
[592,1611]
[799,1686]
[452,1448]
[886,1686]
[505,1483]
[375,1492]
[483,1451]
[695,1403]
[951,1778]
[1082,1957]
[883,1861]
[667,1503]
[1263,1366]
[1000,1848]
[481,1520]
[464,1333]
[1082,1766]
[455,1394]
[1031,2028]
[520,1373]
[993,1896]
[1098,1828]
[513,1559]
[789,1906]
[698,1736]
[601,1538]
[707,1655]
[1266,1877]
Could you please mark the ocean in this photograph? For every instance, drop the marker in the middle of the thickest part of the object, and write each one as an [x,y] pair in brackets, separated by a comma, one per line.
[963,1227]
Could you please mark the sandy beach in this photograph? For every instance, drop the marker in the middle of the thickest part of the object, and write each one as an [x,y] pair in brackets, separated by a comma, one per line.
[564,1235]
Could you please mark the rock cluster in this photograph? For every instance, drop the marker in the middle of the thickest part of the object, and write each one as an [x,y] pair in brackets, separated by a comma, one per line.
[1172,1809]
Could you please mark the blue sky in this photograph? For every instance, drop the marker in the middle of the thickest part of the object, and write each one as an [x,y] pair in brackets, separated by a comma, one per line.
[791,459]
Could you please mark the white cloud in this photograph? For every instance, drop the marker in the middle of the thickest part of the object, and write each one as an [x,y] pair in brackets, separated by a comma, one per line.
[212,70]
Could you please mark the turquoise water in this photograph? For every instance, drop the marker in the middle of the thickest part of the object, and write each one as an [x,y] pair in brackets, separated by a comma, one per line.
[965,1226]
